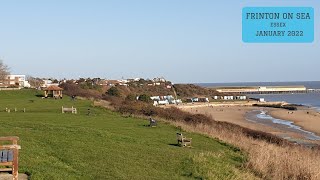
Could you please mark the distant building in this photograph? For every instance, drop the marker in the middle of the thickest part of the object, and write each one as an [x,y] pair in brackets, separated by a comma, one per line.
[46,83]
[123,84]
[123,81]
[15,80]
[112,82]
[161,79]
[129,80]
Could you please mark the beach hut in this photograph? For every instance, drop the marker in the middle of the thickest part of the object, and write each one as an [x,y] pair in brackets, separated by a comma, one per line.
[164,102]
[195,99]
[227,98]
[241,97]
[203,99]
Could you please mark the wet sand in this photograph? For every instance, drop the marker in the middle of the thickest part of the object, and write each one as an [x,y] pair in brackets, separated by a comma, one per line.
[262,117]
[235,115]
[306,118]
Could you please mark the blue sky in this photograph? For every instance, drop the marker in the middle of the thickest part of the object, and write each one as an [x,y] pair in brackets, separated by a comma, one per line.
[182,40]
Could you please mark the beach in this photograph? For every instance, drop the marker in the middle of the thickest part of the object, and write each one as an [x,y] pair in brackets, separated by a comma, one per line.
[307,118]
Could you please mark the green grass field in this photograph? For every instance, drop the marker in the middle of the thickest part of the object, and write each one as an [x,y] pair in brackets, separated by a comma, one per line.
[106,145]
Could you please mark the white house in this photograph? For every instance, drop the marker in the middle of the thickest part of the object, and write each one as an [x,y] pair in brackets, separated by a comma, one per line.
[19,80]
[161,79]
[47,83]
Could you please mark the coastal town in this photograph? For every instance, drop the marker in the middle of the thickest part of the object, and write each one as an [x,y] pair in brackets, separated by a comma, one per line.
[229,93]
[159,90]
[235,105]
[162,93]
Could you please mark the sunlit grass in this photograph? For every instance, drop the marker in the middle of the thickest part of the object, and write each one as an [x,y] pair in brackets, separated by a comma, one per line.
[106,145]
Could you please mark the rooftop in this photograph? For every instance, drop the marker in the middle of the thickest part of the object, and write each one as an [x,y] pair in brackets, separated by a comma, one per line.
[53,88]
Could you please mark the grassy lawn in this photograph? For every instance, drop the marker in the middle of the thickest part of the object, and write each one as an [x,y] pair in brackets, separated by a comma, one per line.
[106,145]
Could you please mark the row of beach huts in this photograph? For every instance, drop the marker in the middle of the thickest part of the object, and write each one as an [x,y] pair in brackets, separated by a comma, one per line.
[205,99]
[165,100]
[169,99]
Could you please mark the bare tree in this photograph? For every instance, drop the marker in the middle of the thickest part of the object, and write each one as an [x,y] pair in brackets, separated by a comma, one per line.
[4,71]
[34,82]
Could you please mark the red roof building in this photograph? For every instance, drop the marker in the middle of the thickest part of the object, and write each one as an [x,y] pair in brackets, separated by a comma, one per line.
[53,91]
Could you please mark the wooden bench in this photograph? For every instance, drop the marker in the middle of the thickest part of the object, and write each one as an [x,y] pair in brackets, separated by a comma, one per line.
[72,110]
[153,122]
[9,155]
[183,141]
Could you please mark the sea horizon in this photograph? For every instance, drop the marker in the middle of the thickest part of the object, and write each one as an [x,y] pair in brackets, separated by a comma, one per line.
[307,84]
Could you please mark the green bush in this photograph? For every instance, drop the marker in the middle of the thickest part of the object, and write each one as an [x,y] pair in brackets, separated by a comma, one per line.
[114,91]
[131,97]
[144,98]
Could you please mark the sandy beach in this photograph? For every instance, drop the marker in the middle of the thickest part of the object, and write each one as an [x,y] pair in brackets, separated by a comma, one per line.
[233,114]
[307,118]
[304,117]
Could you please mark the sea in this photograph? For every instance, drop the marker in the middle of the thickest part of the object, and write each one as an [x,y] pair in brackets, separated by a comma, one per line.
[307,99]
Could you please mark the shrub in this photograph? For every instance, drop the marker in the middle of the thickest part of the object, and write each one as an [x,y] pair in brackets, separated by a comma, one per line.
[71,89]
[13,86]
[144,98]
[150,111]
[197,119]
[131,97]
[114,91]
[175,114]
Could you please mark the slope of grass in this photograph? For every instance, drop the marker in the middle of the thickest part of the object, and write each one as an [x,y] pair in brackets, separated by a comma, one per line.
[106,145]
